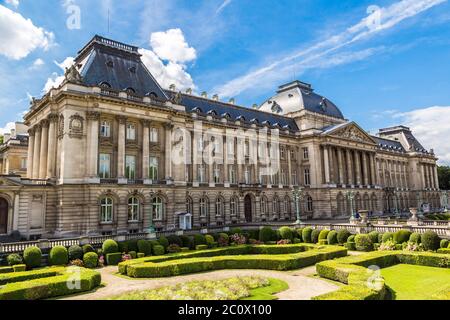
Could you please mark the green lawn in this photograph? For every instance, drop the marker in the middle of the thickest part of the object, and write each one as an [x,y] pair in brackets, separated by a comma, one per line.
[411,282]
[267,293]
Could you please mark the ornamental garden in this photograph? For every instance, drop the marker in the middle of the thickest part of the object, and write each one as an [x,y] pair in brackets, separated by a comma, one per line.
[382,266]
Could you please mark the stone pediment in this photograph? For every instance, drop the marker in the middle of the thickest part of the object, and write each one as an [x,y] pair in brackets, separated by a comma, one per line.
[8,182]
[350,131]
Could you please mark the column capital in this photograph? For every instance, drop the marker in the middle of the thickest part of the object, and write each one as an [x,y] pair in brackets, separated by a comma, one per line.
[146,123]
[45,123]
[93,115]
[53,117]
[31,132]
[37,128]
[168,126]
[122,119]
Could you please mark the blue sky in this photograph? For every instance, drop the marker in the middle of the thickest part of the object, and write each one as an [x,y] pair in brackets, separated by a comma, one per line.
[394,70]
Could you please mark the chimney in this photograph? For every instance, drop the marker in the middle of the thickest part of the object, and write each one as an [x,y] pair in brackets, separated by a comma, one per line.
[232,101]
[189,91]
[216,97]
[255,106]
[205,94]
[172,87]
[13,133]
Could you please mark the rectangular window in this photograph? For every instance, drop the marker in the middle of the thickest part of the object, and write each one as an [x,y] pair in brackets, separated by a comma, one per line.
[294,178]
[307,177]
[201,173]
[23,163]
[293,158]
[154,169]
[232,174]
[247,148]
[282,153]
[216,174]
[154,135]
[105,166]
[130,167]
[105,129]
[305,153]
[283,178]
[247,175]
[131,132]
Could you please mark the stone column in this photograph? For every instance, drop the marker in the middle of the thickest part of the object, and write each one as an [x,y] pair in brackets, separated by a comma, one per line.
[36,151]
[436,177]
[121,147]
[92,136]
[146,149]
[349,167]
[405,178]
[373,169]
[289,178]
[226,178]
[52,143]
[195,160]
[431,176]
[358,168]
[44,150]
[333,171]
[168,150]
[30,153]
[341,166]
[326,164]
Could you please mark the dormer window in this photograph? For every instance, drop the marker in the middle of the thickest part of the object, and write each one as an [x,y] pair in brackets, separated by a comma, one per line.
[152,95]
[130,90]
[132,69]
[105,84]
[110,64]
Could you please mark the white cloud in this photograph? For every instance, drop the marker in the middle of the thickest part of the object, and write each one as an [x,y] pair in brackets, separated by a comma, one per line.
[19,36]
[324,50]
[7,128]
[171,45]
[37,63]
[14,3]
[67,63]
[430,126]
[55,79]
[224,4]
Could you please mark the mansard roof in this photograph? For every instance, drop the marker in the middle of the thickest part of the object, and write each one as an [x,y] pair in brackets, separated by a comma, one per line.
[389,145]
[116,65]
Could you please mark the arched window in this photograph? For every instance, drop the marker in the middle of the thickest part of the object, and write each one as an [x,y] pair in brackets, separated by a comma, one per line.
[220,210]
[105,85]
[130,90]
[374,202]
[106,210]
[234,206]
[158,209]
[264,205]
[287,205]
[189,205]
[276,205]
[340,204]
[133,209]
[203,207]
[309,204]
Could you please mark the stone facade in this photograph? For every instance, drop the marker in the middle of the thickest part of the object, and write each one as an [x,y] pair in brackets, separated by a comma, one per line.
[103,159]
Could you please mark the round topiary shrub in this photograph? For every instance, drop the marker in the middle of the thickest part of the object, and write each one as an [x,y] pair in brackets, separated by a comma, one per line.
[58,256]
[187,241]
[267,234]
[110,246]
[343,235]
[209,240]
[363,242]
[380,237]
[253,234]
[88,248]
[173,248]
[351,238]
[415,238]
[158,250]
[32,257]
[444,243]
[174,239]
[75,253]
[132,245]
[430,241]
[402,236]
[332,237]
[14,259]
[323,234]
[315,236]
[306,234]
[199,239]
[299,234]
[373,236]
[90,260]
[145,247]
[286,233]
[164,242]
[387,236]
[123,246]
[223,240]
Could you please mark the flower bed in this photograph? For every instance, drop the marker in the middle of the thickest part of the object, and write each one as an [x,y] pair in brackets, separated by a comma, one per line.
[367,284]
[47,283]
[239,257]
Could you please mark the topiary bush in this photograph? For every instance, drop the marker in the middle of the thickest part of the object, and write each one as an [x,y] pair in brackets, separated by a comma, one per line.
[267,234]
[174,239]
[58,256]
[332,237]
[342,236]
[351,238]
[90,260]
[299,234]
[209,240]
[32,257]
[380,237]
[158,250]
[145,247]
[363,243]
[444,243]
[132,245]
[373,236]
[415,237]
[402,236]
[286,233]
[252,234]
[75,253]
[110,246]
[315,236]
[14,259]
[323,235]
[387,236]
[113,259]
[188,242]
[306,235]
[88,248]
[174,248]
[223,240]
[199,239]
[201,247]
[164,242]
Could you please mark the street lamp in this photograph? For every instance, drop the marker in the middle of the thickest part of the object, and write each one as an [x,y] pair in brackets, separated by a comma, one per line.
[298,196]
[351,197]
[151,227]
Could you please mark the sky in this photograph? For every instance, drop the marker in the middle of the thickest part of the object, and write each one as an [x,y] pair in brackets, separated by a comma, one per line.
[382,62]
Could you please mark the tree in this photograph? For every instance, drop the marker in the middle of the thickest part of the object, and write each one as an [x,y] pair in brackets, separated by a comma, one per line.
[444,177]
[1,139]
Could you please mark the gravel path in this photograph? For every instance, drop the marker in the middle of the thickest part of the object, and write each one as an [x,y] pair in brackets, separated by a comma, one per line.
[301,285]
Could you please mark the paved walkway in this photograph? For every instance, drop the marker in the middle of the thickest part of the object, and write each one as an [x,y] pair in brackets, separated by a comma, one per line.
[301,285]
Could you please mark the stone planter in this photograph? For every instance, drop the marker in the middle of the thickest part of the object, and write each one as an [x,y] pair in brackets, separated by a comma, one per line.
[364,214]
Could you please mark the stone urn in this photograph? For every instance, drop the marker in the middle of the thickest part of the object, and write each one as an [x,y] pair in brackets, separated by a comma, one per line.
[364,214]
[414,216]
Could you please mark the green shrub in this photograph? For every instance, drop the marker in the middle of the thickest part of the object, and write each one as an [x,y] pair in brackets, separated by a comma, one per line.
[351,238]
[20,268]
[188,242]
[350,245]
[6,270]
[75,253]
[343,235]
[315,236]
[363,242]
[332,237]
[402,236]
[145,247]
[185,249]
[58,256]
[88,248]
[90,260]
[286,233]
[158,250]
[430,241]
[174,239]
[209,240]
[380,238]
[296,241]
[323,242]
[32,257]
[123,246]
[387,236]
[252,234]
[113,259]
[415,237]
[444,243]
[132,245]
[110,246]
[299,234]
[444,250]
[323,235]
[373,236]
[201,247]
[14,259]
[267,234]
[306,235]
[140,255]
[174,248]
[236,231]
[133,254]
[199,239]
[164,242]
[223,240]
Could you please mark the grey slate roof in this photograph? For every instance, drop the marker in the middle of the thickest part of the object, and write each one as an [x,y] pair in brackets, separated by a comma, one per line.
[390,145]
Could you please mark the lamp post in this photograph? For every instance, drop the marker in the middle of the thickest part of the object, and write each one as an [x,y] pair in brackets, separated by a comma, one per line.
[298,196]
[151,227]
[351,197]
[445,201]
[396,212]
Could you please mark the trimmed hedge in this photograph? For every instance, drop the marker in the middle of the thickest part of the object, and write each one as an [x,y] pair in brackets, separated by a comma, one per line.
[286,233]
[373,236]
[110,246]
[158,250]
[387,236]
[201,247]
[32,257]
[315,236]
[113,259]
[145,247]
[323,235]
[75,253]
[402,236]
[6,270]
[174,239]
[444,250]
[90,260]
[343,235]
[14,259]
[332,237]
[306,235]
[415,237]
[58,256]
[363,242]
[20,268]
[444,243]
[267,234]
[430,241]
[239,257]
[88,248]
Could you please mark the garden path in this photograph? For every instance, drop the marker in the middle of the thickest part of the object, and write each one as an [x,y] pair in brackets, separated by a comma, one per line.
[301,285]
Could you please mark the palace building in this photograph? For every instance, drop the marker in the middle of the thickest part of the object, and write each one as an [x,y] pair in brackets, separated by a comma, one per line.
[112,152]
